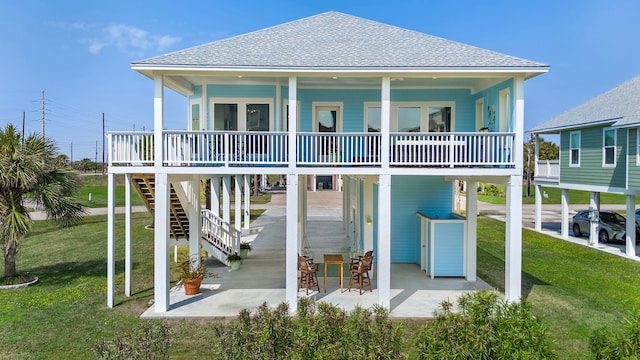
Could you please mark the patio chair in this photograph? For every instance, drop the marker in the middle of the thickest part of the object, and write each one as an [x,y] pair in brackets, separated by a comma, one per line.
[308,274]
[360,273]
[355,261]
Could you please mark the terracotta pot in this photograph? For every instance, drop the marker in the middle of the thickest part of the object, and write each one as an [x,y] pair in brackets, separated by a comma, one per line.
[192,286]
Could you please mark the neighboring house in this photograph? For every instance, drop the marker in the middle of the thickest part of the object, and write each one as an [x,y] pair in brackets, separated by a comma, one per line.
[599,152]
[398,115]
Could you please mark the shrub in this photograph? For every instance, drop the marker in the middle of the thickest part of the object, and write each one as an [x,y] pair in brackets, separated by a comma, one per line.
[605,344]
[149,340]
[320,331]
[485,327]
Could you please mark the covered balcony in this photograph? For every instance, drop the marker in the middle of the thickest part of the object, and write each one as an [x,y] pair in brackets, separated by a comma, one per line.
[271,149]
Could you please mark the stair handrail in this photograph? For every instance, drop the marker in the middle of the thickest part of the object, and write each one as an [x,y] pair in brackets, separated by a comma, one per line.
[223,231]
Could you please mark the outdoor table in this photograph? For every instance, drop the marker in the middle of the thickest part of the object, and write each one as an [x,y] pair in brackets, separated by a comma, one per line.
[333,259]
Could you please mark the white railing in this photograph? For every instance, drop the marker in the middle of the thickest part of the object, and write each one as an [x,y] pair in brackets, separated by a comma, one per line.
[130,148]
[549,169]
[452,149]
[220,233]
[249,148]
[337,149]
[211,148]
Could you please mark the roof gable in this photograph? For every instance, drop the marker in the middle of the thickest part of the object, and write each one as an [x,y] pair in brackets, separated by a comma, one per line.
[619,106]
[335,40]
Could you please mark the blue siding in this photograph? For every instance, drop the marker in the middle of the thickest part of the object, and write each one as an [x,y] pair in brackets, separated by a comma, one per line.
[352,106]
[430,195]
[491,96]
[449,249]
[238,91]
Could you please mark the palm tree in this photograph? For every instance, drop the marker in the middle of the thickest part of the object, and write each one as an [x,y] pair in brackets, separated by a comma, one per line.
[28,169]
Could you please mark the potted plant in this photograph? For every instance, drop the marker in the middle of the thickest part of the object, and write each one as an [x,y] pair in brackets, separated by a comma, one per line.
[244,249]
[234,260]
[192,271]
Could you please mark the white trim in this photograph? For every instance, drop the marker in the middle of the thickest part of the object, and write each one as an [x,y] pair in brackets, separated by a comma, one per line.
[479,114]
[326,105]
[595,188]
[637,146]
[579,148]
[198,102]
[604,148]
[285,126]
[504,110]
[242,109]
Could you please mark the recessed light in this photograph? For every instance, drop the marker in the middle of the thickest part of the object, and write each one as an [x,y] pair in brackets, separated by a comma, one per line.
[397,79]
[239,76]
[434,77]
[334,77]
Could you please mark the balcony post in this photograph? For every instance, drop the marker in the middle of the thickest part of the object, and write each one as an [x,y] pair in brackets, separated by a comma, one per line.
[385,117]
[293,121]
[158,118]
[518,128]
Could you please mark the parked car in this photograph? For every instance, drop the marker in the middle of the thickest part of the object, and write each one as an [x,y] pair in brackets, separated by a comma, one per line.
[612,226]
[638,216]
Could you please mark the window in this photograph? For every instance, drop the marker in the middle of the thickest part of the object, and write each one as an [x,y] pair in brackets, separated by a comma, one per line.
[479,114]
[422,117]
[574,146]
[374,119]
[609,147]
[241,114]
[505,110]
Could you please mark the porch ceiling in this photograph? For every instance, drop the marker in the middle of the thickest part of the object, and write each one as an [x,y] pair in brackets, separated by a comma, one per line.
[472,82]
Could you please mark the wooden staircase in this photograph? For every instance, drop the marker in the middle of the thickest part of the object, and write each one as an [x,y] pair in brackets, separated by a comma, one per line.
[218,237]
[178,220]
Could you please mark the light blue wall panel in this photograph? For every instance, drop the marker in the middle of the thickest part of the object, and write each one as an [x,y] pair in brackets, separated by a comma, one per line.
[449,249]
[491,96]
[430,195]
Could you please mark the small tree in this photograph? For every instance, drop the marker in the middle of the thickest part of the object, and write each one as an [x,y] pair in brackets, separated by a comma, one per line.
[29,168]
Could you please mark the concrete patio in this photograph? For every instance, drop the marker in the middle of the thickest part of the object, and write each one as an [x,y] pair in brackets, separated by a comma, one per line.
[261,277]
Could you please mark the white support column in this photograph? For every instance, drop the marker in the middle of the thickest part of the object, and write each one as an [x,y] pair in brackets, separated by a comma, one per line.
[161,246]
[127,235]
[630,246]
[247,202]
[314,184]
[237,179]
[368,215]
[305,208]
[385,120]
[538,224]
[384,241]
[226,199]
[215,195]
[111,244]
[472,230]
[158,118]
[513,249]
[300,214]
[564,201]
[593,224]
[346,197]
[293,121]
[291,268]
[195,225]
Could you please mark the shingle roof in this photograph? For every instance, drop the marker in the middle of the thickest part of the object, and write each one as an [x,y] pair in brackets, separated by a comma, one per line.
[335,40]
[619,106]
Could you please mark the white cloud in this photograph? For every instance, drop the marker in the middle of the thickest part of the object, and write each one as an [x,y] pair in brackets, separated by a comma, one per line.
[130,39]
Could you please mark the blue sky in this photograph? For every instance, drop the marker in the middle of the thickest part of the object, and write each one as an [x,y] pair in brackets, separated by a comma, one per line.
[79,52]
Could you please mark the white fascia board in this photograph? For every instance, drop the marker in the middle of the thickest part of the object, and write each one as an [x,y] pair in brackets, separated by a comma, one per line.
[557,129]
[382,71]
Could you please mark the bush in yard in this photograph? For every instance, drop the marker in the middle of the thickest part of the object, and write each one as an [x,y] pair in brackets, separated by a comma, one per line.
[319,331]
[485,327]
[149,340]
[605,344]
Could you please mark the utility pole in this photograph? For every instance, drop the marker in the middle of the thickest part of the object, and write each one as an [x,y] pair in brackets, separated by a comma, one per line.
[42,102]
[103,135]
[96,151]
[529,166]
[71,154]
[23,119]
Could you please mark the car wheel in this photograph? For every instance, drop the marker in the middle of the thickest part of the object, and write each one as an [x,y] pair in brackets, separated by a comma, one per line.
[576,230]
[603,237]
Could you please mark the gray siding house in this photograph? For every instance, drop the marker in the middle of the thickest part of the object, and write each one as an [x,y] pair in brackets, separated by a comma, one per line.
[598,153]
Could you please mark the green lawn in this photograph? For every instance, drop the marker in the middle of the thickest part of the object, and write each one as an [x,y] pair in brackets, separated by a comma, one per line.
[553,197]
[574,288]
[96,185]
